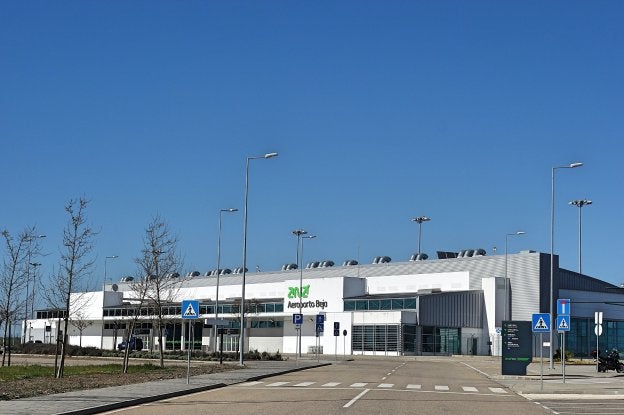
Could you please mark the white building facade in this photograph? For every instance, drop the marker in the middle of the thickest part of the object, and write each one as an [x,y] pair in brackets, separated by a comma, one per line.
[442,306]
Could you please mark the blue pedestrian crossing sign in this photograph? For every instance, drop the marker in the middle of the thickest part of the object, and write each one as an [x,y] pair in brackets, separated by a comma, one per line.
[190,309]
[563,323]
[541,323]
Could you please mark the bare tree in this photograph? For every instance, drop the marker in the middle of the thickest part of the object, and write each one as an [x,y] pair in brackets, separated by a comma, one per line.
[158,278]
[13,280]
[138,301]
[76,264]
[80,321]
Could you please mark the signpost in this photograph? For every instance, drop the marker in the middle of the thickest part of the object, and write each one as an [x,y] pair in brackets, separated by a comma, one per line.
[298,321]
[320,329]
[541,324]
[517,349]
[563,325]
[598,331]
[336,335]
[190,311]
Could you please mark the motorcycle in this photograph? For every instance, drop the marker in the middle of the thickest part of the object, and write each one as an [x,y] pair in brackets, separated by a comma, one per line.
[609,361]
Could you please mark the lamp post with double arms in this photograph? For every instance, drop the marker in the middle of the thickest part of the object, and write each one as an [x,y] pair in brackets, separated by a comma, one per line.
[299,233]
[506,268]
[241,341]
[552,255]
[580,204]
[229,210]
[419,220]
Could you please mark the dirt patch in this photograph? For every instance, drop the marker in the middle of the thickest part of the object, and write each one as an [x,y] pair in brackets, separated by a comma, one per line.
[26,388]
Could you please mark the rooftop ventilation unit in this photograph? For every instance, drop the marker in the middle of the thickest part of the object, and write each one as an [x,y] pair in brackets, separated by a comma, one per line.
[381,259]
[419,257]
[288,267]
[349,263]
[446,255]
[239,270]
[175,274]
[327,264]
[127,279]
[313,264]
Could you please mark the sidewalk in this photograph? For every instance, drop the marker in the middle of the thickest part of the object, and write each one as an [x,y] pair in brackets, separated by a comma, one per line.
[100,400]
[581,380]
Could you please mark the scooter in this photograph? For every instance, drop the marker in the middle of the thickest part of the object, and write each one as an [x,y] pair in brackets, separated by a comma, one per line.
[610,361]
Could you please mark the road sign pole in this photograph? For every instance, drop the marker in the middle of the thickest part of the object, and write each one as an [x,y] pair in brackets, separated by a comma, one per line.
[541,361]
[563,355]
[188,346]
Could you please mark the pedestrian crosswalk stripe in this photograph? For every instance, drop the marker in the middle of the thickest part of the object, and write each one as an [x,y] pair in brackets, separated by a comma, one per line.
[331,384]
[278,384]
[254,383]
[498,390]
[441,387]
[469,389]
[413,386]
[385,385]
[359,385]
[304,384]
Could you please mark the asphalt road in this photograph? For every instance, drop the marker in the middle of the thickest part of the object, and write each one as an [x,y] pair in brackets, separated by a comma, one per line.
[357,387]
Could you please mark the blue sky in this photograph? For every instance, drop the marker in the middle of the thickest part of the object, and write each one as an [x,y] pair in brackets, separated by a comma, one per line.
[380,111]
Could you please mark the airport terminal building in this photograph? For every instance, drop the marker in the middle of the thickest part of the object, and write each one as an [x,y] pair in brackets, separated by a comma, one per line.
[454,304]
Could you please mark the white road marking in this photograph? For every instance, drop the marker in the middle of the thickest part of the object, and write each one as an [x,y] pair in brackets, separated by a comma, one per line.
[411,386]
[359,385]
[441,387]
[469,389]
[254,383]
[278,384]
[352,401]
[385,385]
[498,390]
[331,384]
[302,384]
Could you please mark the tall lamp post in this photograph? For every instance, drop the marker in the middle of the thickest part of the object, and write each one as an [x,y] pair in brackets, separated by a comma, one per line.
[419,220]
[28,264]
[103,295]
[241,341]
[506,267]
[299,233]
[580,204]
[229,210]
[552,249]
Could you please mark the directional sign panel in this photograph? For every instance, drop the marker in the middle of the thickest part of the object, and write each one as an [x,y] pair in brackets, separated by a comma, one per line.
[190,309]
[540,323]
[563,307]
[320,318]
[563,323]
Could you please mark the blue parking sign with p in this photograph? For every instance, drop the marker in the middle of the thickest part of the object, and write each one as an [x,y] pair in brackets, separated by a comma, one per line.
[297,318]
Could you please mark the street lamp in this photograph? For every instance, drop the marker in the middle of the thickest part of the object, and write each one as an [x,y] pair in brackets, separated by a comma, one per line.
[241,341]
[298,233]
[103,295]
[28,264]
[229,210]
[580,204]
[32,303]
[506,283]
[420,220]
[552,249]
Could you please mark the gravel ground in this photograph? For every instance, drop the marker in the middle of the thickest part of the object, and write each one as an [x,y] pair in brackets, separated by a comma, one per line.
[25,388]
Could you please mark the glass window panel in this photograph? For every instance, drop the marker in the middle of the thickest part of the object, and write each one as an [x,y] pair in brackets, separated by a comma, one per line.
[385,305]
